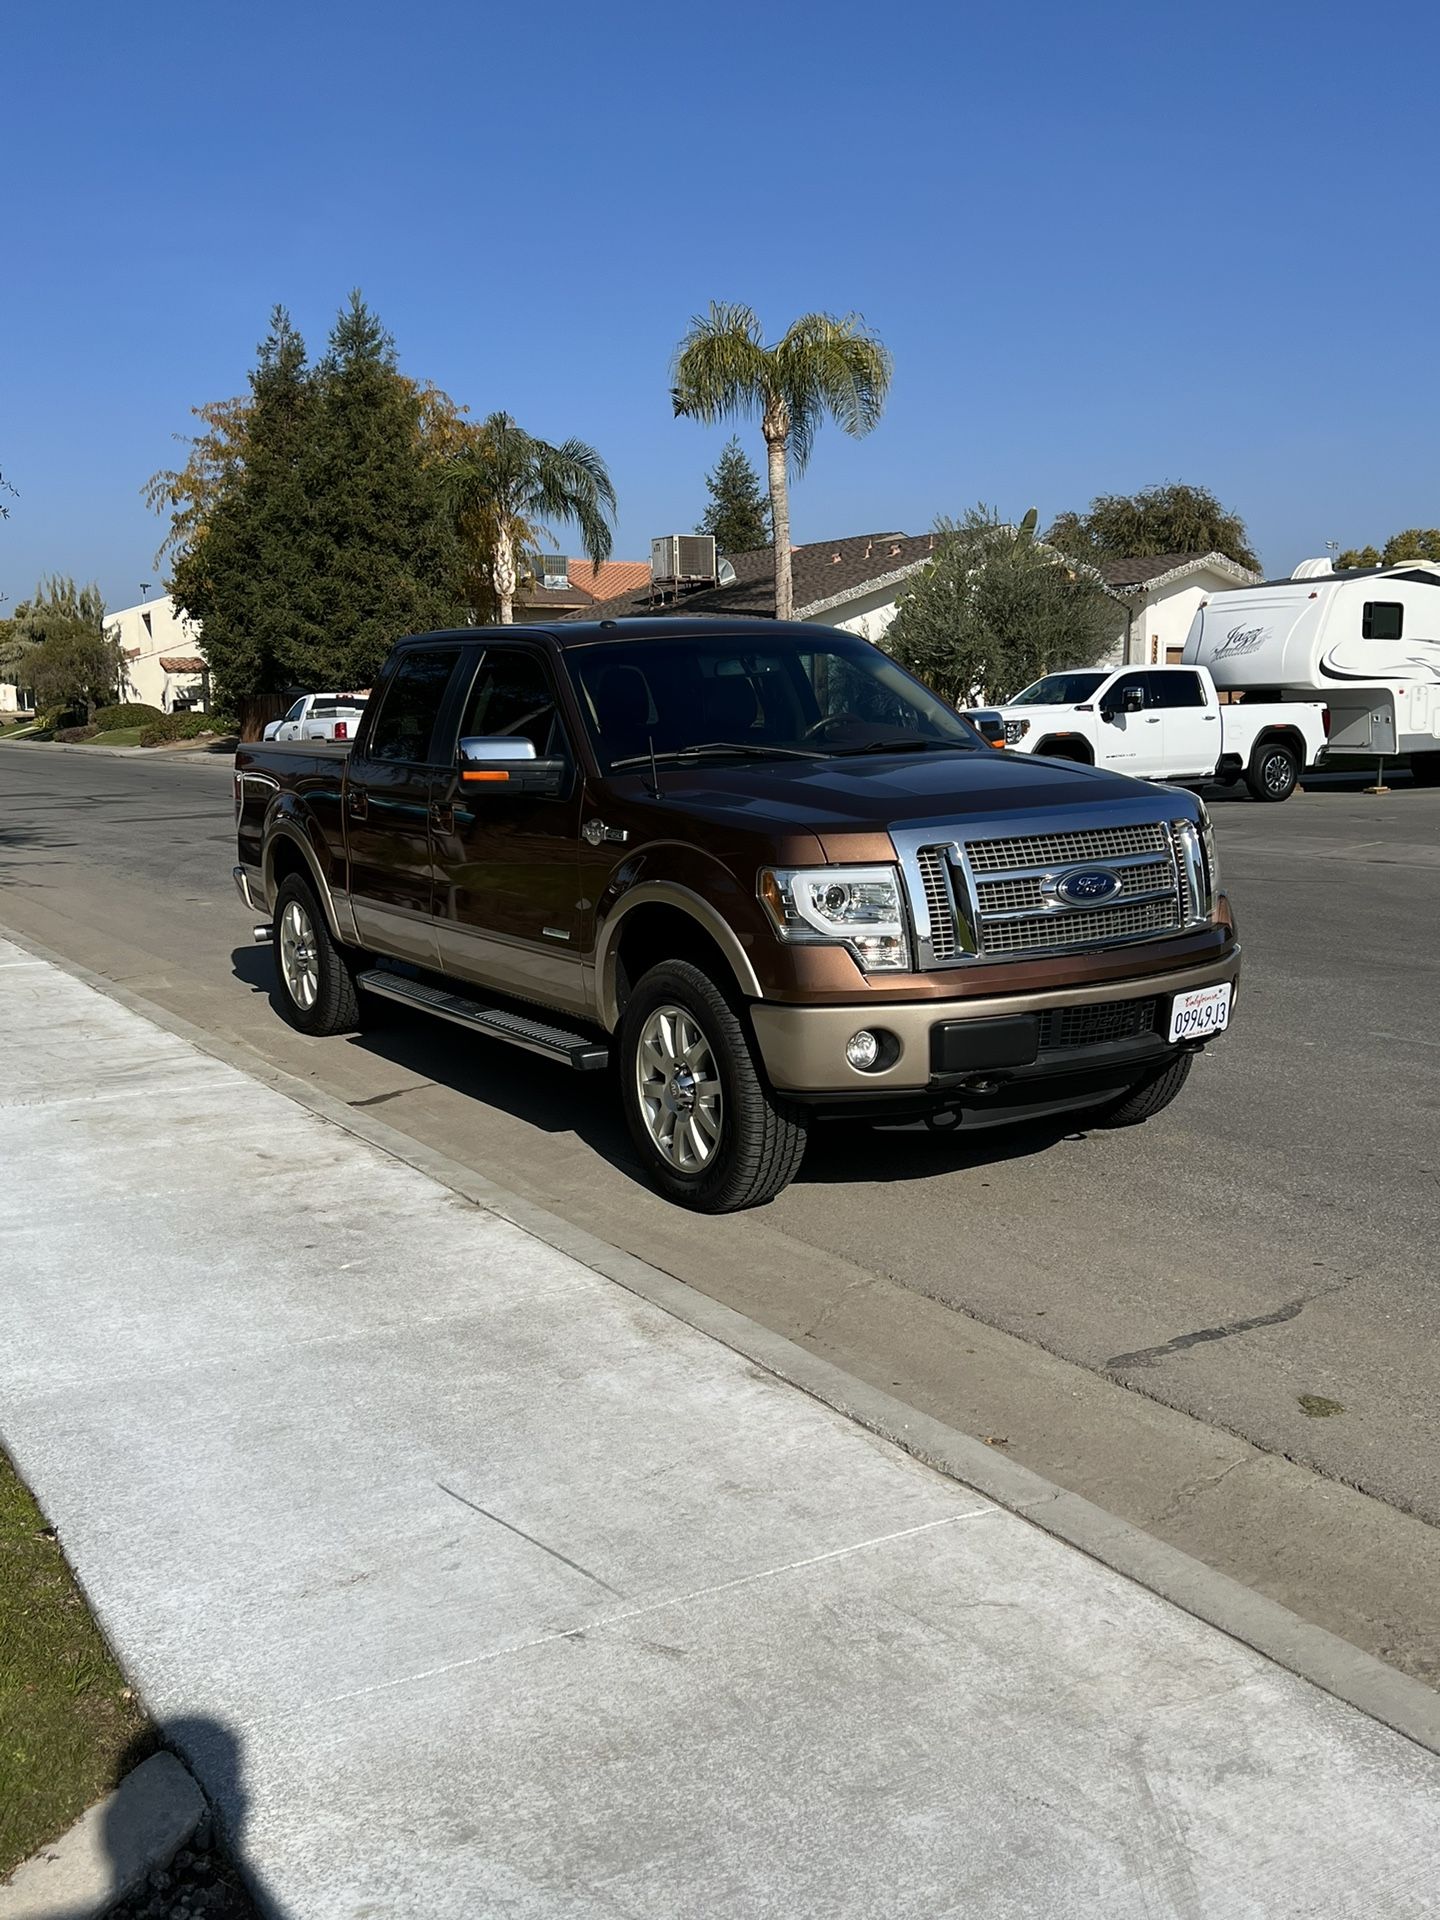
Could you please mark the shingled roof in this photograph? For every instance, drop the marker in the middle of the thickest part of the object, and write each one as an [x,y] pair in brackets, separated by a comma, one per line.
[824,574]
[1124,576]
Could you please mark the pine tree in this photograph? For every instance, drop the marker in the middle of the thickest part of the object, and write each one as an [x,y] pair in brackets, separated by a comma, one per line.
[738,514]
[384,558]
[246,575]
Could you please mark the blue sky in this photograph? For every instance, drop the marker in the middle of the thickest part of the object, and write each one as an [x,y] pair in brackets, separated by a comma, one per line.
[1107,244]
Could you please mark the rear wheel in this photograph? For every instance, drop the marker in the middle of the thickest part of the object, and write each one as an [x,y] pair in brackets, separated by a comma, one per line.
[1274,771]
[712,1134]
[1147,1096]
[315,973]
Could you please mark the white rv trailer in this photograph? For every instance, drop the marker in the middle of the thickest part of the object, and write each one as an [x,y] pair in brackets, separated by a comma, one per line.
[1366,642]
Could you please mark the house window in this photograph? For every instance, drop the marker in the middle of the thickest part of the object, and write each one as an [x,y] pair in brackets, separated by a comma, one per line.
[148,628]
[1382,620]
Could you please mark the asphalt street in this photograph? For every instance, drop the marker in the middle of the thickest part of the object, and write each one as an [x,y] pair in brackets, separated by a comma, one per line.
[1220,1326]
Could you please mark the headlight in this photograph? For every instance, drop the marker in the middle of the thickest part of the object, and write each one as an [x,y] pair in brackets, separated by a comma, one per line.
[1212,858]
[1015,730]
[861,908]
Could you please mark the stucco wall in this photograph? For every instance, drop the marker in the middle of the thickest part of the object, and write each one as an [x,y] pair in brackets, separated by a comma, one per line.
[1162,620]
[146,632]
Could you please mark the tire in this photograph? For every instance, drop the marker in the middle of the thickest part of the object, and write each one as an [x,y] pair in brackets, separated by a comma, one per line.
[710,1131]
[1425,769]
[314,975]
[1149,1096]
[1274,772]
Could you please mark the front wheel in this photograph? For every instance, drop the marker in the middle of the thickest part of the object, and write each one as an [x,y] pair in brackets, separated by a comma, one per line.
[1148,1096]
[1273,773]
[711,1133]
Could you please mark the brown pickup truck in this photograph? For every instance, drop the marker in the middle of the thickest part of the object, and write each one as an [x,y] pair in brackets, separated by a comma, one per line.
[759,867]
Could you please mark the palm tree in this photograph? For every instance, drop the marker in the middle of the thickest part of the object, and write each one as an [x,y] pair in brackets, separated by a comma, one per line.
[504,481]
[822,365]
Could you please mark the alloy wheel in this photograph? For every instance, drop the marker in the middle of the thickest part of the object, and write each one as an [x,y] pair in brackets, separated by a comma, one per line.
[679,1088]
[299,962]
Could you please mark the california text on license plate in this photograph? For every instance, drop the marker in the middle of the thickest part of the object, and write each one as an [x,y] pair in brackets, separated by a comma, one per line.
[1205,1011]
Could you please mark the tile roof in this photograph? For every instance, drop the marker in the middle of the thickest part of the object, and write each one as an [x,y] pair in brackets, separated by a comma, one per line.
[824,572]
[181,663]
[615,577]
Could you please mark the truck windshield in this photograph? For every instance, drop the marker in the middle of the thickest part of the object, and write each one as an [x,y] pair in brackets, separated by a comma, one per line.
[777,696]
[1059,690]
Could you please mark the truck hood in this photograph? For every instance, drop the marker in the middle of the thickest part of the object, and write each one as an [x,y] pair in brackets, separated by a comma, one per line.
[844,800]
[1042,717]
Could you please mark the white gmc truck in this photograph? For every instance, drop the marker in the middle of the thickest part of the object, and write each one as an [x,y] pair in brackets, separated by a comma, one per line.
[1163,723]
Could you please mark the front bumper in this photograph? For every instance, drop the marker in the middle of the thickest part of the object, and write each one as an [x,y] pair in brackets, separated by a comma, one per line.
[804,1047]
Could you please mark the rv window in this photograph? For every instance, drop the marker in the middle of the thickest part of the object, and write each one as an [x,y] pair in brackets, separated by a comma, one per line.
[1382,620]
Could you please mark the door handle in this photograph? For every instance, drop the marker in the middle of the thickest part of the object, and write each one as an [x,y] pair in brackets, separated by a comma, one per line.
[1152,719]
[357,804]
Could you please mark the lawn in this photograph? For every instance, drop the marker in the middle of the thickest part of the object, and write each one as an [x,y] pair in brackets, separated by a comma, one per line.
[121,737]
[67,1718]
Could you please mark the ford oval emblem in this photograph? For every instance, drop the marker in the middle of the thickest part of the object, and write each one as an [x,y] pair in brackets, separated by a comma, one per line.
[1088,886]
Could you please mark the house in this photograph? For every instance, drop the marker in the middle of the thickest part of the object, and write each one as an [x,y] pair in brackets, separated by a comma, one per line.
[1157,599]
[852,583]
[563,586]
[164,664]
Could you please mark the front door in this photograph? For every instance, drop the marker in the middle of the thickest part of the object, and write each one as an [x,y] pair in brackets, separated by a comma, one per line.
[508,909]
[1130,742]
[390,789]
[1189,726]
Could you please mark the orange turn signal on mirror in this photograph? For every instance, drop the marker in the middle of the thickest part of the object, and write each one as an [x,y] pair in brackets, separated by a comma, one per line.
[486,774]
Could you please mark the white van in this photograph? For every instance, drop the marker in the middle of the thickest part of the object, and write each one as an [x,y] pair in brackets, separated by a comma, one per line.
[1366,641]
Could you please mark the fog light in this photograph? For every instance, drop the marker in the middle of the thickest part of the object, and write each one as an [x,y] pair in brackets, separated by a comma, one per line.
[862,1050]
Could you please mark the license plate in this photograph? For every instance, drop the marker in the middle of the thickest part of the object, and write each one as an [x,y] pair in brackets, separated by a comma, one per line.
[1205,1011]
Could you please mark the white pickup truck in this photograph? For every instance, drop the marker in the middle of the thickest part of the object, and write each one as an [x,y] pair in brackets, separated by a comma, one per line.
[319,716]
[1163,723]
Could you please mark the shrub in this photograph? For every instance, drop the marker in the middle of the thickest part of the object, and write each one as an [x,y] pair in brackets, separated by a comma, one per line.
[48,718]
[134,714]
[177,726]
[71,735]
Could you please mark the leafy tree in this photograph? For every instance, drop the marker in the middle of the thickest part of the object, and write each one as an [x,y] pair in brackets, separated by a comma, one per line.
[1173,518]
[57,643]
[243,525]
[384,562]
[821,366]
[504,480]
[1415,543]
[995,609]
[738,514]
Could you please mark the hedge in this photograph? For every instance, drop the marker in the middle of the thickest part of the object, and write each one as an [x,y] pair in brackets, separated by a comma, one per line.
[135,714]
[70,736]
[178,726]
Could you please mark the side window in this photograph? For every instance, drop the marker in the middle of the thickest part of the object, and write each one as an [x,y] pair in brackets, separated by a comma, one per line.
[1176,690]
[296,711]
[411,706]
[1127,683]
[512,697]
[1382,620]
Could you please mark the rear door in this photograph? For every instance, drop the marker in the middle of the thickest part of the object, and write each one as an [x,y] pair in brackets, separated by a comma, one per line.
[508,907]
[391,786]
[1189,725]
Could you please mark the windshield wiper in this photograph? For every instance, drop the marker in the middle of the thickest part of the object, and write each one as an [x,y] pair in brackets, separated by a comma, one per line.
[753,752]
[907,746]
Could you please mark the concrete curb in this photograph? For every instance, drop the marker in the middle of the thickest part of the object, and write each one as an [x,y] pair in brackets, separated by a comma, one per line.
[1405,1705]
[112,1849]
[95,752]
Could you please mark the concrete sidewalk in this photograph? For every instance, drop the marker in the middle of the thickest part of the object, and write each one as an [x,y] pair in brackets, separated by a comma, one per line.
[471,1585]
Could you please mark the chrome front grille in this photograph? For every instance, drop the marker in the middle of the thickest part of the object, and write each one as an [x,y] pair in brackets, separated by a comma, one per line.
[983,898]
[1026,892]
[1049,850]
[1090,927]
[935,879]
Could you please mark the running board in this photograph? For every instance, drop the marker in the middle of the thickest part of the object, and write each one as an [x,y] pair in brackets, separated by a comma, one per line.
[495,1023]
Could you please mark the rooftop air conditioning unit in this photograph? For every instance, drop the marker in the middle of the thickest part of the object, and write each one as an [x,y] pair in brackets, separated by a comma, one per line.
[553,570]
[687,557]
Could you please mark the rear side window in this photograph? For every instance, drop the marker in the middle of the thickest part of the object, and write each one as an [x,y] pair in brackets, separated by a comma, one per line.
[406,721]
[1382,620]
[1175,690]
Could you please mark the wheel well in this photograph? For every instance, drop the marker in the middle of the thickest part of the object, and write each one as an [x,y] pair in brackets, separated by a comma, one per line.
[654,932]
[285,860]
[1056,748]
[1282,737]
